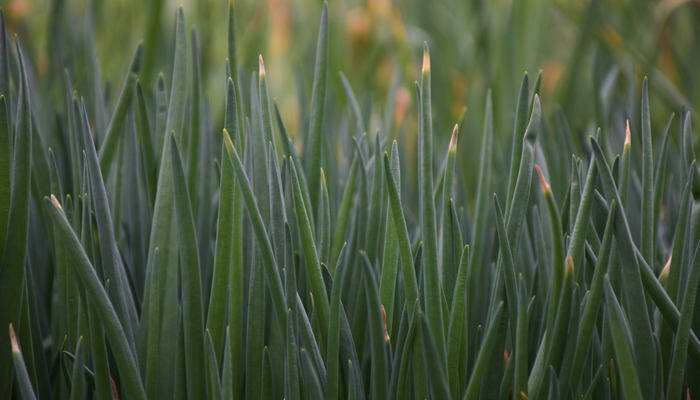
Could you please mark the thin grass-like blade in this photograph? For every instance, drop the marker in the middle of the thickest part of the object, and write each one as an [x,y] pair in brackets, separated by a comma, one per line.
[409,274]
[192,143]
[5,172]
[291,371]
[456,331]
[233,65]
[436,373]
[116,124]
[350,190]
[485,352]
[24,383]
[680,349]
[227,369]
[112,266]
[449,249]
[583,213]
[679,239]
[77,390]
[376,204]
[5,51]
[475,274]
[629,377]
[318,100]
[263,239]
[390,254]
[557,272]
[521,340]
[193,324]
[236,280]
[333,348]
[313,265]
[254,331]
[660,173]
[312,383]
[377,337]
[212,371]
[98,352]
[223,258]
[431,277]
[647,223]
[145,137]
[521,192]
[519,128]
[508,271]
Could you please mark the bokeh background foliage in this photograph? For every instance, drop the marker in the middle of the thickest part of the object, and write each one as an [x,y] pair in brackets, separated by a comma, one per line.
[586,49]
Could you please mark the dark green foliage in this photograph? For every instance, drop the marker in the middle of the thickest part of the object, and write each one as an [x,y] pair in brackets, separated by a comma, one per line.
[166,240]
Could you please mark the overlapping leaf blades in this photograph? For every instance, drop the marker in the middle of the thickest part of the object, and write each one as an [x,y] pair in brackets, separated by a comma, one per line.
[327,279]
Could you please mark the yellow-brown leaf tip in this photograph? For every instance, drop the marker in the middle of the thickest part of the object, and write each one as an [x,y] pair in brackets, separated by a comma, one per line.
[667,268]
[55,202]
[227,140]
[546,190]
[628,135]
[261,66]
[426,61]
[569,265]
[13,339]
[453,139]
[386,331]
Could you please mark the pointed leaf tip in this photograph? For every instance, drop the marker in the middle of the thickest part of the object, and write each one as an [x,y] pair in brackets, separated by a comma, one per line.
[227,140]
[569,266]
[536,103]
[261,64]
[13,339]
[386,331]
[55,202]
[546,190]
[453,139]
[628,135]
[426,59]
[667,268]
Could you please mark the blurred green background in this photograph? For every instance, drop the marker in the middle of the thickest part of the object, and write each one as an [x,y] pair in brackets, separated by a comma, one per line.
[592,54]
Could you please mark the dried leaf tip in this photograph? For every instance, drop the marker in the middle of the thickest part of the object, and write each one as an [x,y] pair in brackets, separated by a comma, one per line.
[55,202]
[546,190]
[569,266]
[13,339]
[386,331]
[227,140]
[426,59]
[628,135]
[453,139]
[506,357]
[261,70]
[666,269]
